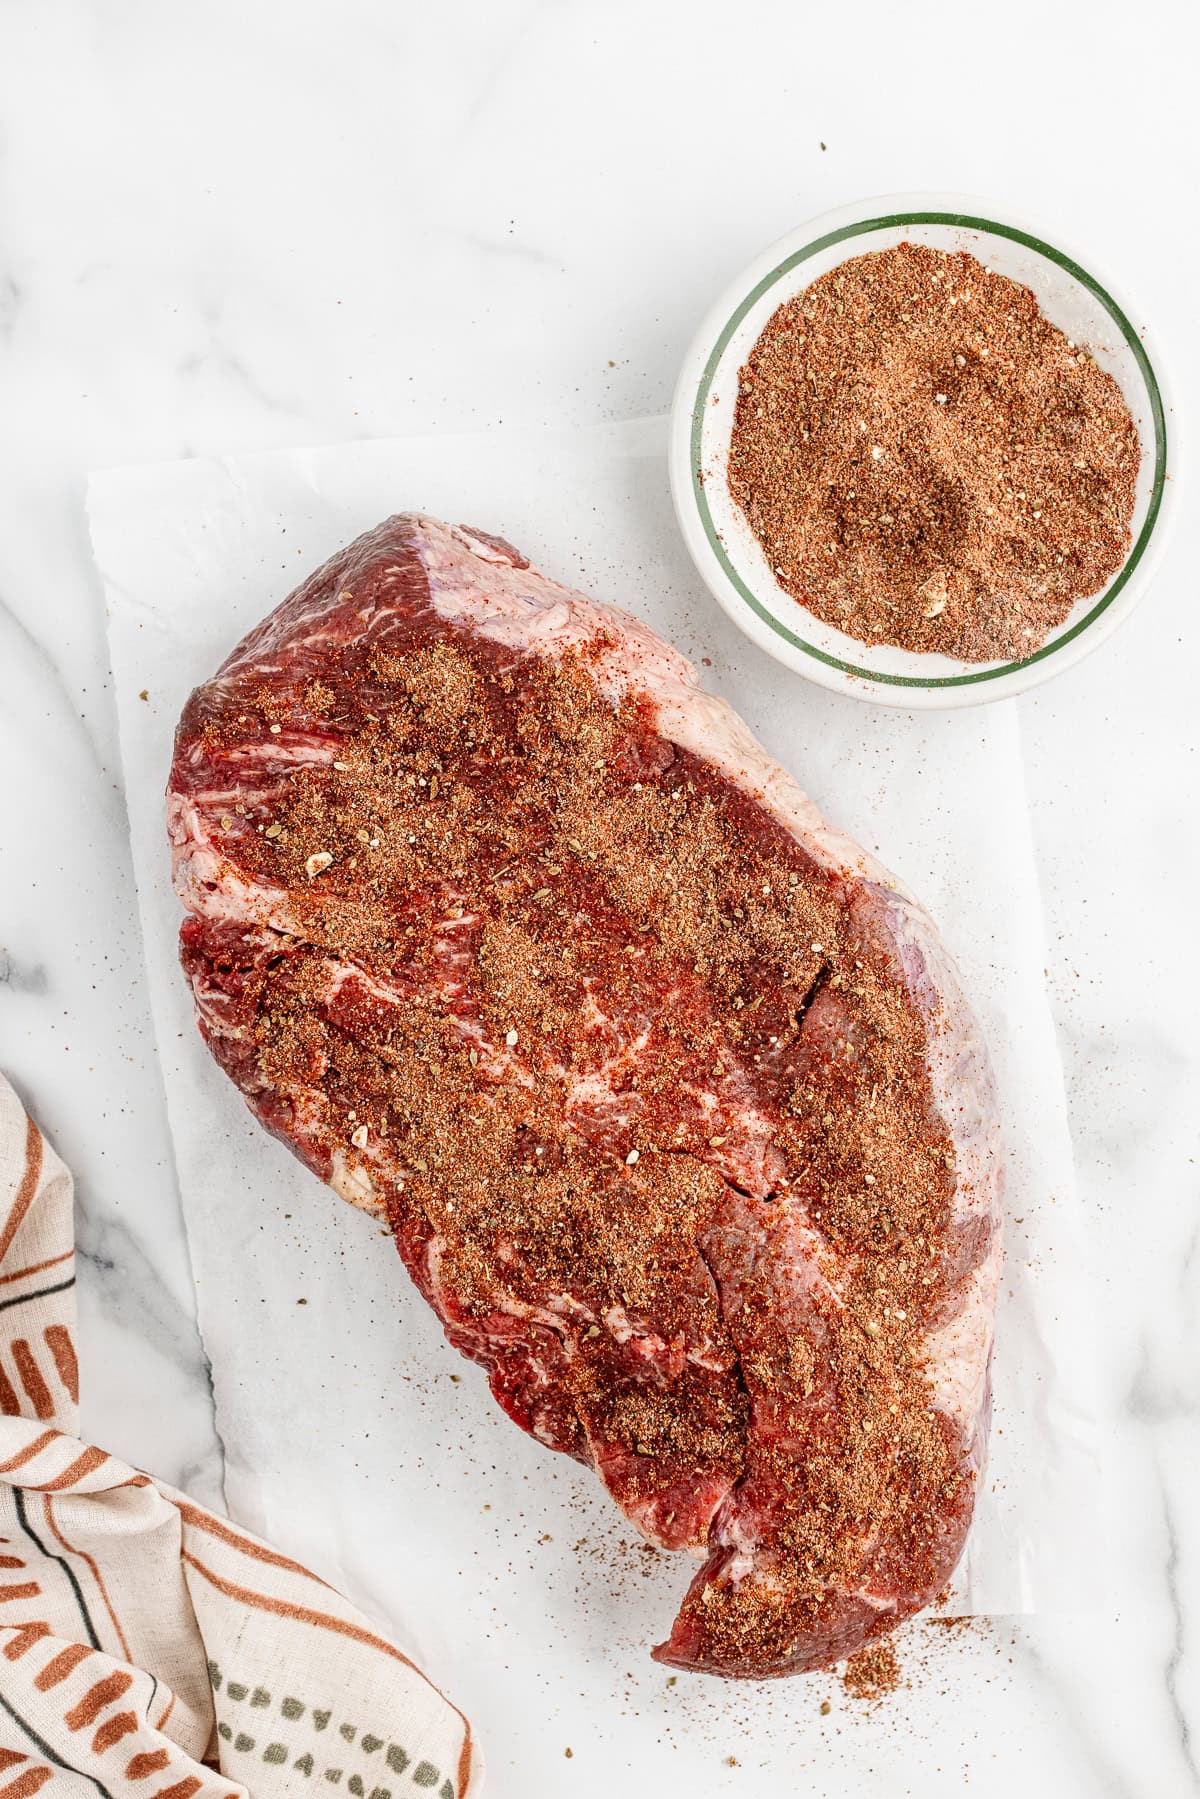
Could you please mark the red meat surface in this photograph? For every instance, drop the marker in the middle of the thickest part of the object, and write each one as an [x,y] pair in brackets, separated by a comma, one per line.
[669,1093]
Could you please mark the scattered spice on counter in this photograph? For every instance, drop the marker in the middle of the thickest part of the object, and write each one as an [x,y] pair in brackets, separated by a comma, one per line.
[927,461]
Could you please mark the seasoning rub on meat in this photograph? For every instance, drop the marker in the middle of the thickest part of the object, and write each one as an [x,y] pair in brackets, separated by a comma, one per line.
[668,1092]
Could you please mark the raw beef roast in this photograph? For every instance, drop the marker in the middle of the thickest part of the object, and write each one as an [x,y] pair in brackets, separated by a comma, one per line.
[669,1093]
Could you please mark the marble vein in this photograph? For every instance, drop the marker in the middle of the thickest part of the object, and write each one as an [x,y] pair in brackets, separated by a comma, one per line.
[1178,1652]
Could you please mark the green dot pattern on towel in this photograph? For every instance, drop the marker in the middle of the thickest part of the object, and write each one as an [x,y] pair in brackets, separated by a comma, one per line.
[424,1775]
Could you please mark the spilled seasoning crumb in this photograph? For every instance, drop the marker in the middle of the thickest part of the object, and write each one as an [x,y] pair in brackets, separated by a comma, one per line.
[873,1673]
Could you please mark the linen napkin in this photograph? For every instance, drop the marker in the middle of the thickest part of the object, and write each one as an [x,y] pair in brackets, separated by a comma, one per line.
[146,1644]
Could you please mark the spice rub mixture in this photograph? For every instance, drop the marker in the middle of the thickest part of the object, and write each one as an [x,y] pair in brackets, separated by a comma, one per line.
[641,1087]
[927,461]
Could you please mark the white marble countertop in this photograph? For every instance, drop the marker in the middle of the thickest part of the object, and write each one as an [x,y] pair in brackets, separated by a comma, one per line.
[236,227]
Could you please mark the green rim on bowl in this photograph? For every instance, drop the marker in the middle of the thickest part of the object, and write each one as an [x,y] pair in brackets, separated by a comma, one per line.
[860,229]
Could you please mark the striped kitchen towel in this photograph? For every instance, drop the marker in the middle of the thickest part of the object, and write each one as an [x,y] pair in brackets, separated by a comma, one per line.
[147,1647]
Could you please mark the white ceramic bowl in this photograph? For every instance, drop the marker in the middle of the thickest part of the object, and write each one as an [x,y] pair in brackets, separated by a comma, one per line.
[725,549]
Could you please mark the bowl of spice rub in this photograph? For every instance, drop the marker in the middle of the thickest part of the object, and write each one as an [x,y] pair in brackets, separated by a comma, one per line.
[921,455]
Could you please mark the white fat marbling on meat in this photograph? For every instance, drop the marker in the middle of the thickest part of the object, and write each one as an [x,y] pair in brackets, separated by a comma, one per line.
[207,881]
[351,1179]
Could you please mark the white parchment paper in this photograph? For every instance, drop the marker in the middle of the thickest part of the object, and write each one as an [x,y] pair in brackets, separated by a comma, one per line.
[356,1439]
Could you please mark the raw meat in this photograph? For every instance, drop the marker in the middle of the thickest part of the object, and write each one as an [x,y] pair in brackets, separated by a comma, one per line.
[668,1091]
